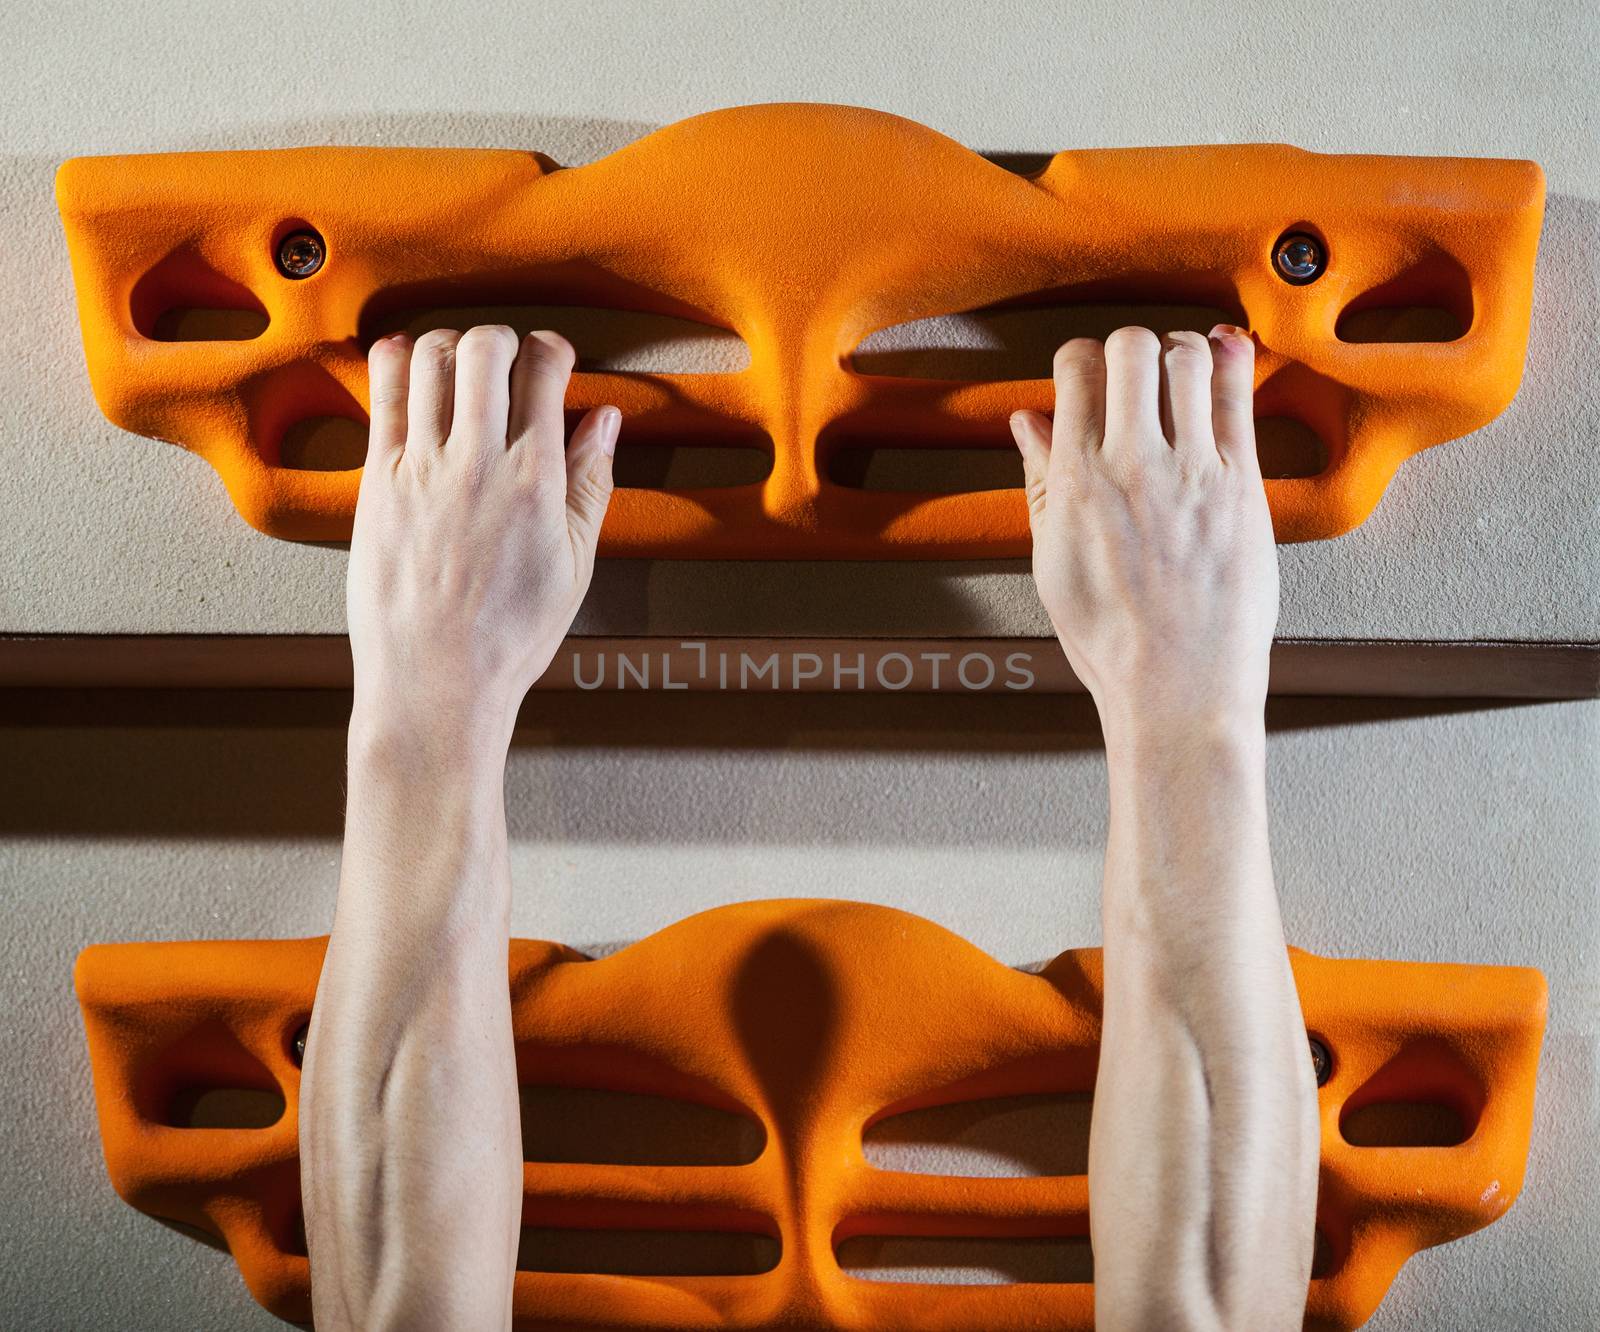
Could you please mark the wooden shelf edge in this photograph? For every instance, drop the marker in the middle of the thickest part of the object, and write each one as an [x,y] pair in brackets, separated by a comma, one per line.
[1359,667]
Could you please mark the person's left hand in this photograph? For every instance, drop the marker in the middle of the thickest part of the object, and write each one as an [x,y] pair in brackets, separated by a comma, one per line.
[475,534]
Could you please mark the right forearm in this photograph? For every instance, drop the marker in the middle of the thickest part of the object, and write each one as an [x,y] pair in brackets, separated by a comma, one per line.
[1188,866]
[1153,548]
[1203,1160]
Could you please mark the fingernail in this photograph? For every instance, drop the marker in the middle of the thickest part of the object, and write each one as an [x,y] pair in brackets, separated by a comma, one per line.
[610,424]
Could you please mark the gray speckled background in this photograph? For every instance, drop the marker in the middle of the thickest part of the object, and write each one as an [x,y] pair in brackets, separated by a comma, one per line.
[1429,831]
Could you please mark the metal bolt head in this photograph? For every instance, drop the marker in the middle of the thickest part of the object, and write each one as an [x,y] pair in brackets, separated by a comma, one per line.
[297,1046]
[1299,258]
[300,254]
[1321,1061]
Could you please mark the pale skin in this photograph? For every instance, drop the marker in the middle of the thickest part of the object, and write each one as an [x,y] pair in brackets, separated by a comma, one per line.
[473,547]
[1154,556]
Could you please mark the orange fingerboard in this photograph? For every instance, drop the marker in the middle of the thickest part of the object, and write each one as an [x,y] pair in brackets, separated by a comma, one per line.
[803,228]
[814,1019]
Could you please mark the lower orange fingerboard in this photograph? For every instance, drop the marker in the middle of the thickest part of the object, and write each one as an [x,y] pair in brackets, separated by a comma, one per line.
[814,1020]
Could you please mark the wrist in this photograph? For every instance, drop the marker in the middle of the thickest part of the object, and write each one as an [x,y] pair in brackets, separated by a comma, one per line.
[1149,729]
[412,727]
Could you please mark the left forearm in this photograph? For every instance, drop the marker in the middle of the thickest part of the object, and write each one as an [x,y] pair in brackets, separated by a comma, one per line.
[474,540]
[410,1215]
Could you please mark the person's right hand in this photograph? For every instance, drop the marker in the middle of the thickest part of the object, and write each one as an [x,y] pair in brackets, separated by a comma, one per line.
[1152,542]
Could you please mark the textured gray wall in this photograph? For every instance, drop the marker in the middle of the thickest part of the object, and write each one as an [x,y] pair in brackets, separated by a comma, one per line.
[1415,831]
[1431,832]
[104,531]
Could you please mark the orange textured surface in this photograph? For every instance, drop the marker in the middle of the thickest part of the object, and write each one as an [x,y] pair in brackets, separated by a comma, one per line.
[815,1019]
[803,228]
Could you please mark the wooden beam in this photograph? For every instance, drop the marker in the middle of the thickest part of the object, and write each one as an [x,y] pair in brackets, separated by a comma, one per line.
[1464,669]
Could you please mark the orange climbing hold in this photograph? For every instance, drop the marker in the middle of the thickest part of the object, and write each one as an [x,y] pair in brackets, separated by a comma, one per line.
[814,1020]
[228,298]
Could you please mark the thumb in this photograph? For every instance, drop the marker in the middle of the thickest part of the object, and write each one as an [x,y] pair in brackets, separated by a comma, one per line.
[1032,433]
[589,477]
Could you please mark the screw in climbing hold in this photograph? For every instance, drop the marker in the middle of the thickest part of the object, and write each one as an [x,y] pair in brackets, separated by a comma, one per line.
[297,1046]
[300,254]
[1321,1061]
[1299,258]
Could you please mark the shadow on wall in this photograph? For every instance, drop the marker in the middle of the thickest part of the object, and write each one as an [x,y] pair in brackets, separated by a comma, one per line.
[271,763]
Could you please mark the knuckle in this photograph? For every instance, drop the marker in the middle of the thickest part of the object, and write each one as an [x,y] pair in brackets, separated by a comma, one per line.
[1185,345]
[1073,488]
[1037,492]
[1235,403]
[437,343]
[1238,343]
[1080,356]
[549,353]
[544,487]
[389,355]
[489,338]
[1084,426]
[591,486]
[463,464]
[1128,473]
[1133,338]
